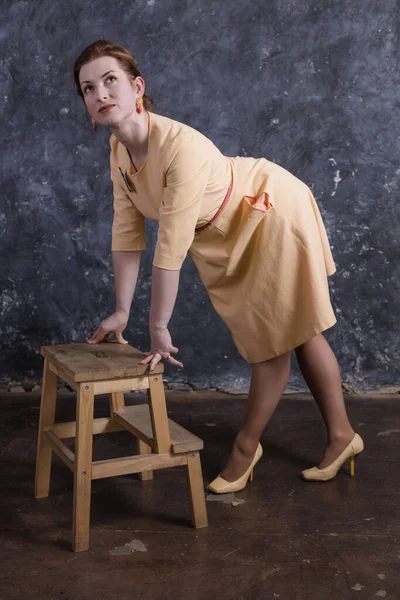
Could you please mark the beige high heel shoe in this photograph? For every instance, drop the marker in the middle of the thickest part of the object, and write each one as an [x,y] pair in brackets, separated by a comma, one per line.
[355,447]
[221,486]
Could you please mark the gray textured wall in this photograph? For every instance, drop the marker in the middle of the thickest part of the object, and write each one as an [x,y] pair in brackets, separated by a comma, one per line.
[310,85]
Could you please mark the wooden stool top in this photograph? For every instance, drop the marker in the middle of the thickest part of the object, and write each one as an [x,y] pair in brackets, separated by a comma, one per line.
[94,362]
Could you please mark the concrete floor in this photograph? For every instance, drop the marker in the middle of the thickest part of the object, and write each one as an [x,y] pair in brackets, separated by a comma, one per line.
[287,539]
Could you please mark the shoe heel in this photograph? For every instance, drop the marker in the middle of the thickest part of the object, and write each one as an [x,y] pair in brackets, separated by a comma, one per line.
[352,472]
[251,477]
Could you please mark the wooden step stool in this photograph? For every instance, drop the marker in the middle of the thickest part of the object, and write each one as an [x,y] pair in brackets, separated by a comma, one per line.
[111,368]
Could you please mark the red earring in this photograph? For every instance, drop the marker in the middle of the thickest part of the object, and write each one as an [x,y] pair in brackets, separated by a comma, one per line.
[139,105]
[94,126]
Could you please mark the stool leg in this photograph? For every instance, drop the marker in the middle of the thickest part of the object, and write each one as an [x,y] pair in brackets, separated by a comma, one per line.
[117,402]
[159,415]
[83,466]
[47,415]
[143,448]
[196,490]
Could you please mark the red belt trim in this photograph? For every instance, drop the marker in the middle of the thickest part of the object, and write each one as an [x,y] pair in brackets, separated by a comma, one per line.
[219,211]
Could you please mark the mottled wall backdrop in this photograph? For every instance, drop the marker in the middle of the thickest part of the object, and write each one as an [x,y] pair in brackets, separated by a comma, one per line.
[310,85]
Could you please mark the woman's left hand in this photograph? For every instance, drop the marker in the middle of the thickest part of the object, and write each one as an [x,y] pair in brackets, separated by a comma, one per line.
[161,347]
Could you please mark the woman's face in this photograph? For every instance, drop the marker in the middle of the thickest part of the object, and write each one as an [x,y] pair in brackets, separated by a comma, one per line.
[109,94]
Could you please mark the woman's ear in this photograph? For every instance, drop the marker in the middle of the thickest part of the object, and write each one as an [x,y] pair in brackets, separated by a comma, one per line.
[140,84]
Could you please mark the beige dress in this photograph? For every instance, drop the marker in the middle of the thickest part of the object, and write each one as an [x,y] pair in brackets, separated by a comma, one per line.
[265,270]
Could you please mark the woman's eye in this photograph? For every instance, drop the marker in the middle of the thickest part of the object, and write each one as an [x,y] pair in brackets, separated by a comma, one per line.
[89,88]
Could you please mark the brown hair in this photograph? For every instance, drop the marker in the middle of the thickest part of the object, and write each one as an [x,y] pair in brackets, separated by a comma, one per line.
[105,48]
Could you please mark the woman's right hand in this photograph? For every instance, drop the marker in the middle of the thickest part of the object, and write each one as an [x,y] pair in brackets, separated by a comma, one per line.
[116,324]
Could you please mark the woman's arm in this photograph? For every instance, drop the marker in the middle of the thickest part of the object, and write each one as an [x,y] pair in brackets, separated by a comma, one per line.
[126,269]
[164,289]
[186,181]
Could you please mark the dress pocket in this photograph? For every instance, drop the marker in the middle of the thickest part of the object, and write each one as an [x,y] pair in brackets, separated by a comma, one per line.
[245,231]
[260,202]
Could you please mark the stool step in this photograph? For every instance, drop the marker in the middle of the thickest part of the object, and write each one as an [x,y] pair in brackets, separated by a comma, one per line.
[137,420]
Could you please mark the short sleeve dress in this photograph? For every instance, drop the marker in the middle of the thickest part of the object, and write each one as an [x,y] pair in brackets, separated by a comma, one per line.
[265,268]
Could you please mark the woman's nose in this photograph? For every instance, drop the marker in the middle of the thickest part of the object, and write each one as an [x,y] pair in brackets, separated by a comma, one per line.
[102,94]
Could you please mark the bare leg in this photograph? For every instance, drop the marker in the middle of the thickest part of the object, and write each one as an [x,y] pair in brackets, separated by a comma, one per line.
[320,370]
[268,381]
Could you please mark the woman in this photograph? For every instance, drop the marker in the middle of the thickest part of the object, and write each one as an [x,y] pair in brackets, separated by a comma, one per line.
[256,236]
